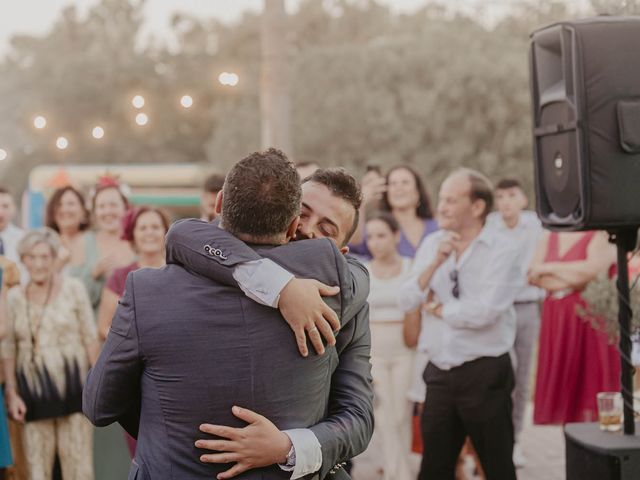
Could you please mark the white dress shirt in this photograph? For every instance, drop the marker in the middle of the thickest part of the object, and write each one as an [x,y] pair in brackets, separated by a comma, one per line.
[481,322]
[262,281]
[11,236]
[526,234]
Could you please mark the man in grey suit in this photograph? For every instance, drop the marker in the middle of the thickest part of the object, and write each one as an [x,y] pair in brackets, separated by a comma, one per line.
[183,348]
[330,203]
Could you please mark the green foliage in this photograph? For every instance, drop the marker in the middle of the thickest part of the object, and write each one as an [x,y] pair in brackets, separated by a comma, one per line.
[432,89]
[601,296]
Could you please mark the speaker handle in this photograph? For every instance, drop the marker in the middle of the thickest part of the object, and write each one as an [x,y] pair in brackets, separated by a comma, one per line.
[555,128]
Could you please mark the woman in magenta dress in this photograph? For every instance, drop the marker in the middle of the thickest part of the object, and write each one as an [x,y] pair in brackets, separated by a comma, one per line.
[145,228]
[575,360]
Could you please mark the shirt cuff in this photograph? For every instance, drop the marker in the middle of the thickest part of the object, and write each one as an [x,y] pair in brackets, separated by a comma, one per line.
[308,452]
[262,280]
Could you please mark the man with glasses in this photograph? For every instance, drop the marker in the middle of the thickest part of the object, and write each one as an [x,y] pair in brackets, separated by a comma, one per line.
[466,277]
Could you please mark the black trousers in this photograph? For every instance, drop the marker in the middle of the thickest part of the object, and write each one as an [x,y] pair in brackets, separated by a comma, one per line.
[472,400]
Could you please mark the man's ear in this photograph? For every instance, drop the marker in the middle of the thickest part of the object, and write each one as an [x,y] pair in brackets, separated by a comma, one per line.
[219,202]
[293,227]
[344,250]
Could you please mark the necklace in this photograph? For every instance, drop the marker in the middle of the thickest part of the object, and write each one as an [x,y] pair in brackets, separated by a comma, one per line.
[34,327]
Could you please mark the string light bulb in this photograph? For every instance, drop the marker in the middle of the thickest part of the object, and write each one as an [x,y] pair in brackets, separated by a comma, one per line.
[138,101]
[39,122]
[62,143]
[186,101]
[142,119]
[228,79]
[97,132]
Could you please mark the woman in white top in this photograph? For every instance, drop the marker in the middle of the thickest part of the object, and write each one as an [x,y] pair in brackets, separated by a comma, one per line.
[391,353]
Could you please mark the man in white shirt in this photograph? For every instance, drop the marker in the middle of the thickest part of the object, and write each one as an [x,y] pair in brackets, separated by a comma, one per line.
[468,275]
[525,230]
[10,235]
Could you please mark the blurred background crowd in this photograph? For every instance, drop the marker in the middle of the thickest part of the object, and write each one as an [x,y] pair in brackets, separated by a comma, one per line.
[107,137]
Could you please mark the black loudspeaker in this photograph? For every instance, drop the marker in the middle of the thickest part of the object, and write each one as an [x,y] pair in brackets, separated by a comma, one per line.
[595,455]
[585,86]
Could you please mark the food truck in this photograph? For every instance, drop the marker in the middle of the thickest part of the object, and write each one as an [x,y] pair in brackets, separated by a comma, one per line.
[174,187]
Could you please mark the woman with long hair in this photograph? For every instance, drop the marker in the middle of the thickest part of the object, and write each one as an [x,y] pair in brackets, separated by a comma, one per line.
[90,255]
[403,194]
[392,338]
[145,229]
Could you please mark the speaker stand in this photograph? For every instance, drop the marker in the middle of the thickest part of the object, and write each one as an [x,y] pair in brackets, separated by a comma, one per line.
[625,240]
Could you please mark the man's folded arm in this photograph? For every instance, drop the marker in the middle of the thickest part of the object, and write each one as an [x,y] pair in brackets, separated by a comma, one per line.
[112,390]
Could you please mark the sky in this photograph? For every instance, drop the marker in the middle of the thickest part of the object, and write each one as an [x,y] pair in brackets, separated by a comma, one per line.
[37,16]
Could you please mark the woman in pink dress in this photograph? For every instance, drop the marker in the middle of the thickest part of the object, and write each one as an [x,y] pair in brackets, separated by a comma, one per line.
[575,360]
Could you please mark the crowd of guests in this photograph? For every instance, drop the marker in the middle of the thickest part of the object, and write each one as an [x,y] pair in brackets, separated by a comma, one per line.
[455,296]
[60,287]
[479,283]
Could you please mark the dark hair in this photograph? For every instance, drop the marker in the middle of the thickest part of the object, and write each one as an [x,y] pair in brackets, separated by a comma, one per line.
[54,203]
[423,209]
[507,183]
[261,195]
[481,189]
[343,185]
[387,218]
[102,188]
[213,183]
[130,220]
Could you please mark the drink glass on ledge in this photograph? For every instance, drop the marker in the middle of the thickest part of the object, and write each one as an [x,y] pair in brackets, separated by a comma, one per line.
[610,411]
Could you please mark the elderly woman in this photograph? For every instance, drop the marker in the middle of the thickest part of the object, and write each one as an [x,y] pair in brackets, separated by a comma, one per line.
[50,343]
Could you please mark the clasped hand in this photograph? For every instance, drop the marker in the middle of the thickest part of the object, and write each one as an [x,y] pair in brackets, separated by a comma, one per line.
[259,444]
[302,307]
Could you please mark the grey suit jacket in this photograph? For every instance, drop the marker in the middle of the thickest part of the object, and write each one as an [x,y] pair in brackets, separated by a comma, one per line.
[183,349]
[346,430]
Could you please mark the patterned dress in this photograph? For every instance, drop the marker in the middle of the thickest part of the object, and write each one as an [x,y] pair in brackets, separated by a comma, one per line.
[48,344]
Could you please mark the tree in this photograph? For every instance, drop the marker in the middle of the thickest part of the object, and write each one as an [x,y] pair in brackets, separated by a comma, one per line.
[83,73]
[433,89]
[616,7]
